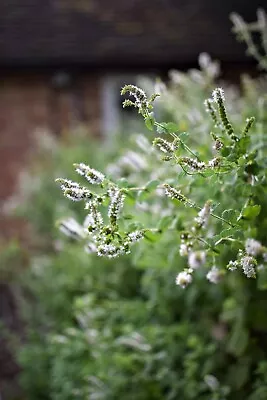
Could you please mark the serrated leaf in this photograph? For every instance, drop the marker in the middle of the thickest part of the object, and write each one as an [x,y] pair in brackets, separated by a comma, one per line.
[230,215]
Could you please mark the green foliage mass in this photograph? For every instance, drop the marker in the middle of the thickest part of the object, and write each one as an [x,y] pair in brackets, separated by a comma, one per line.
[120,328]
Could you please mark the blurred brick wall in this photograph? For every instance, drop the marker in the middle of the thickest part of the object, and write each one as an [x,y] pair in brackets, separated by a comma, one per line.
[30,103]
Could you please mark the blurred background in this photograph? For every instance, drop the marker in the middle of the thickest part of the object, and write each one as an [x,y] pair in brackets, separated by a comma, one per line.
[63,62]
[62,65]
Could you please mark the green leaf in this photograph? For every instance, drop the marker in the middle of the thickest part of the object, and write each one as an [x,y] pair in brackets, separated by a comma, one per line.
[150,121]
[172,127]
[128,216]
[238,340]
[148,189]
[242,145]
[152,185]
[152,236]
[167,127]
[230,215]
[239,373]
[183,136]
[250,212]
[165,222]
[122,183]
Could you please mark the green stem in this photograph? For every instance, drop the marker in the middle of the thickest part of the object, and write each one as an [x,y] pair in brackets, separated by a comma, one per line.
[207,244]
[217,217]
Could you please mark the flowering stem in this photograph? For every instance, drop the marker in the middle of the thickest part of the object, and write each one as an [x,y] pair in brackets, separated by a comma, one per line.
[182,142]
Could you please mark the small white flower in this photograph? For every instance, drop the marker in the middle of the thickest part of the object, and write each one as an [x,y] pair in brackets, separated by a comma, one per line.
[233,265]
[93,220]
[92,175]
[109,250]
[183,279]
[248,264]
[218,95]
[214,275]
[183,250]
[253,247]
[77,194]
[116,203]
[135,236]
[215,162]
[203,215]
[196,259]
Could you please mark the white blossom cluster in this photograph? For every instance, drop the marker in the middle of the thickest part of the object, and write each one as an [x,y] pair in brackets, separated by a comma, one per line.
[192,163]
[135,236]
[196,259]
[173,193]
[183,279]
[218,95]
[248,265]
[117,198]
[215,162]
[184,249]
[203,215]
[74,191]
[253,247]
[140,98]
[165,146]
[110,250]
[232,265]
[214,275]
[94,219]
[92,175]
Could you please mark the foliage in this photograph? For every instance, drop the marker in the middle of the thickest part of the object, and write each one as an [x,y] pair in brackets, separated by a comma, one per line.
[117,327]
[248,33]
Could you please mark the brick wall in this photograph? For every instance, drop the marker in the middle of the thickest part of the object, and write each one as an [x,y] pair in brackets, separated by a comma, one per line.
[33,102]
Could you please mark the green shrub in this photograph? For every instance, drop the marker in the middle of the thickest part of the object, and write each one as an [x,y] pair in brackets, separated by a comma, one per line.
[119,328]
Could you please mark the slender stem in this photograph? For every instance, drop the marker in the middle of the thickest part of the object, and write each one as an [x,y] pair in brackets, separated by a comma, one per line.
[222,219]
[229,240]
[189,150]
[134,189]
[207,244]
[217,217]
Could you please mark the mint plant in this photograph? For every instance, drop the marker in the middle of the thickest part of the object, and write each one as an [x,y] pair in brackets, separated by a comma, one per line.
[215,223]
